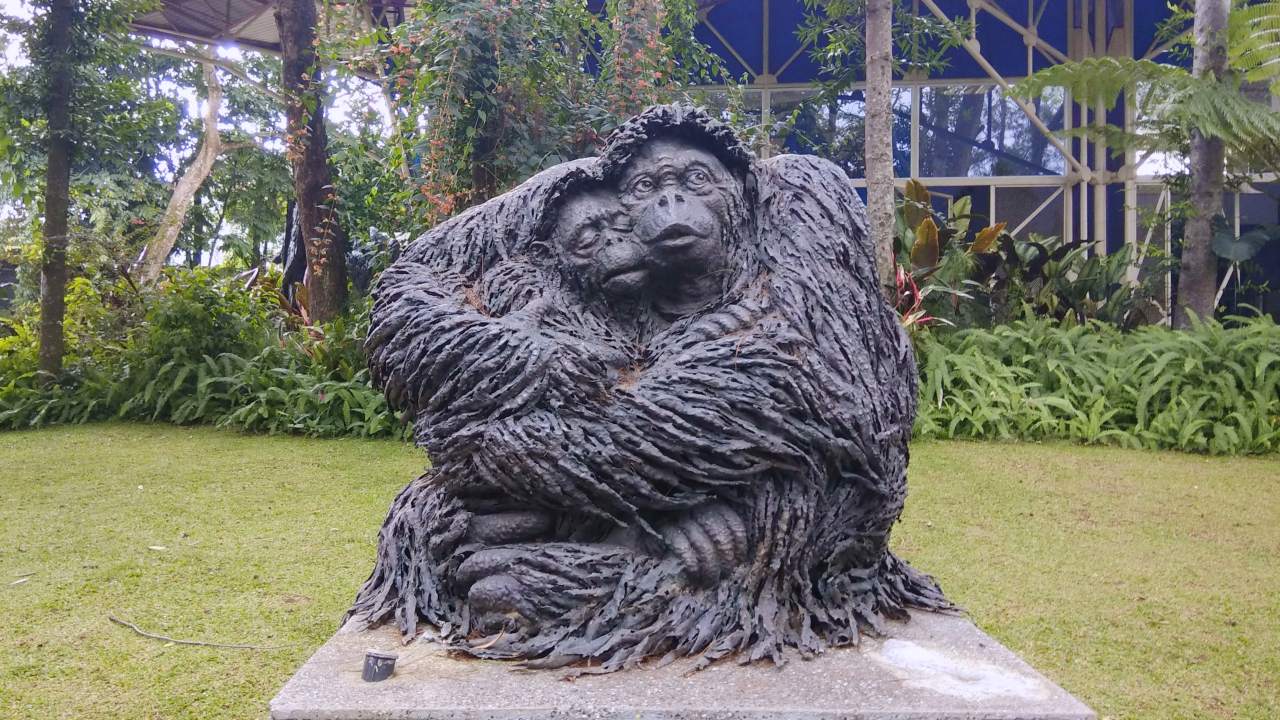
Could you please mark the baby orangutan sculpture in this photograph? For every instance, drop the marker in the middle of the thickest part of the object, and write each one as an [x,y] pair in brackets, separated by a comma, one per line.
[667,410]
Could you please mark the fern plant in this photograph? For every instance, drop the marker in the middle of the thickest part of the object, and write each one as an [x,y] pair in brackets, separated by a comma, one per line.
[1212,389]
[1172,102]
[1254,42]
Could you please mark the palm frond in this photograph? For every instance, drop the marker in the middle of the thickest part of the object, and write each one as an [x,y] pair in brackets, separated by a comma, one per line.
[1097,79]
[1254,42]
[1171,103]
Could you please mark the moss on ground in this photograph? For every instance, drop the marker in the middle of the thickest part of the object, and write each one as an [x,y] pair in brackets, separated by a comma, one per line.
[1146,583]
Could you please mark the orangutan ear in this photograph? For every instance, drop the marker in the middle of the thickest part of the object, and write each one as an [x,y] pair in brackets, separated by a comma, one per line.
[540,248]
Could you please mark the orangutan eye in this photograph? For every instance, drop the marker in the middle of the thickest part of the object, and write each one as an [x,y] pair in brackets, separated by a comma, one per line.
[697,178]
[588,241]
[643,185]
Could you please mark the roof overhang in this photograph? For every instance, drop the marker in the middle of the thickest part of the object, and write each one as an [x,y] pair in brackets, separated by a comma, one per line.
[250,23]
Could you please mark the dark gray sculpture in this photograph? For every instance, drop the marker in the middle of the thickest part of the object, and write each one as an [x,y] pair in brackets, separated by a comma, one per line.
[667,410]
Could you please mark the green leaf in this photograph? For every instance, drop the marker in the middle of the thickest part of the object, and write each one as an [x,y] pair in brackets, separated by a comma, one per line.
[1254,42]
[960,215]
[1245,247]
[925,251]
[917,206]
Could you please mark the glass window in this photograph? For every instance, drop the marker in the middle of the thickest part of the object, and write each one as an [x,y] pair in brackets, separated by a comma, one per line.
[737,106]
[1260,208]
[974,130]
[1015,204]
[834,128]
[1146,99]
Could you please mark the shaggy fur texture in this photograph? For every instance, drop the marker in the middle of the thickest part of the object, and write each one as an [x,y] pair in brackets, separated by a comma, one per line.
[766,431]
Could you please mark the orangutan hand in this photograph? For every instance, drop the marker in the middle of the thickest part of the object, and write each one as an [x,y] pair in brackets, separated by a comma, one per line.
[710,541]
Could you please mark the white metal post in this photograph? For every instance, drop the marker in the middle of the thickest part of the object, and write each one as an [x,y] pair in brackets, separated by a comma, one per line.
[766,123]
[916,94]
[1168,253]
[1100,48]
[1130,169]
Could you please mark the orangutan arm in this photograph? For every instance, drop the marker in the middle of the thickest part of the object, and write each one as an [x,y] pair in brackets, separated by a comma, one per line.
[690,428]
[440,357]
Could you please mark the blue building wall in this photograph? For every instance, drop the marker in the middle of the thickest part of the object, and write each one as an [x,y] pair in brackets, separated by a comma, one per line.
[994,162]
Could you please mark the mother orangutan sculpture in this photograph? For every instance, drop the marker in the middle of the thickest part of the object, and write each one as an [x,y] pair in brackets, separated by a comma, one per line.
[667,410]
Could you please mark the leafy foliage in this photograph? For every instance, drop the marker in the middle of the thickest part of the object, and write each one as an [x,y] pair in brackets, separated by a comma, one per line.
[201,348]
[961,276]
[484,93]
[836,31]
[1255,42]
[118,121]
[1170,103]
[134,134]
[1212,389]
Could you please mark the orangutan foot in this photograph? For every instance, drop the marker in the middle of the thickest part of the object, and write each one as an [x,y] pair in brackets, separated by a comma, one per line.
[515,588]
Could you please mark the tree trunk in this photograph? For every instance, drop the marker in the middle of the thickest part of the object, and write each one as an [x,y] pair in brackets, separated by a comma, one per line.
[326,279]
[57,188]
[184,192]
[878,138]
[1198,270]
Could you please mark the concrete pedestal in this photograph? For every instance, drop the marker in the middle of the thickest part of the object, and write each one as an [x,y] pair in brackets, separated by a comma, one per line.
[937,667]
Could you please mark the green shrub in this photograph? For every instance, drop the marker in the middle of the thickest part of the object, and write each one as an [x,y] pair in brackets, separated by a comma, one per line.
[193,314]
[200,312]
[205,350]
[1213,389]
[953,273]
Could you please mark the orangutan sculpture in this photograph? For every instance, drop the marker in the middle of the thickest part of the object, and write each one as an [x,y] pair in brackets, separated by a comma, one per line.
[666,406]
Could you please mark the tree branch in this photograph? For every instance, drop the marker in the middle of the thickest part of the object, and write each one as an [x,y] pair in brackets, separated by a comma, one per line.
[185,189]
[227,65]
[200,643]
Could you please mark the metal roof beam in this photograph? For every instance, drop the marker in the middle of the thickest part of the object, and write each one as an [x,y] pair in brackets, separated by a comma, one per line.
[971,46]
[1028,35]
[727,46]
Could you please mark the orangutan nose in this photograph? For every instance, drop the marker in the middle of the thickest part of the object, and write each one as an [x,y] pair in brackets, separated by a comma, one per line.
[670,198]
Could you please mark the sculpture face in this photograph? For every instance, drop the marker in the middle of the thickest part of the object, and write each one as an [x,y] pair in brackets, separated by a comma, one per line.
[681,199]
[594,237]
[662,235]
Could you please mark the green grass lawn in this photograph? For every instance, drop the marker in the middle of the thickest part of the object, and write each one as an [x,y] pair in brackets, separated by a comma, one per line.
[1146,583]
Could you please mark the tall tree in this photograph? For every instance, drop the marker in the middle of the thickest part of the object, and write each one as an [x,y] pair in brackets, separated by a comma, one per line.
[1203,115]
[56,57]
[1198,275]
[847,36]
[326,281]
[184,191]
[878,150]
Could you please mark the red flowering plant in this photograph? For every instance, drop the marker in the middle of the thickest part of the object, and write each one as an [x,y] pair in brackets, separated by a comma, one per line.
[909,302]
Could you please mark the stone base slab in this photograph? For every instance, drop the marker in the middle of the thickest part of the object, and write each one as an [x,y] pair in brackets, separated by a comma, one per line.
[935,667]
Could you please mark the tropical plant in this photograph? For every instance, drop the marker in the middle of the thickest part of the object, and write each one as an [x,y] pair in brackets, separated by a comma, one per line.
[1214,388]
[1206,115]
[199,348]
[988,277]
[203,348]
